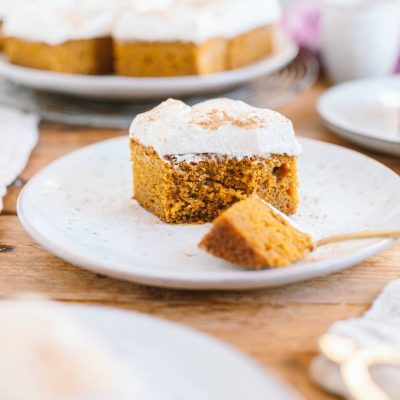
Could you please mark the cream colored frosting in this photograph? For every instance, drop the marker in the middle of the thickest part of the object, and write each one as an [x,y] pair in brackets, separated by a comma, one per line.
[220,126]
[194,20]
[4,9]
[57,21]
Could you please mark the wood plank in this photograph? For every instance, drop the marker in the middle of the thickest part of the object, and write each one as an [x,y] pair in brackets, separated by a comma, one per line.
[58,139]
[279,327]
[23,268]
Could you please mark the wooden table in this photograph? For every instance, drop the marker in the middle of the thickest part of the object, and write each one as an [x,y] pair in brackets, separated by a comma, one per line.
[277,327]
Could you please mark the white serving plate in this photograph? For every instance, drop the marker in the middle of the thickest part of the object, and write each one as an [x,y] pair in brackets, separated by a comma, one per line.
[170,362]
[367,112]
[114,87]
[80,208]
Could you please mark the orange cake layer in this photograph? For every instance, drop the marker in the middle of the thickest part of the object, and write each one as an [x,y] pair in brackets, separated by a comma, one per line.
[1,36]
[197,192]
[252,235]
[89,56]
[152,59]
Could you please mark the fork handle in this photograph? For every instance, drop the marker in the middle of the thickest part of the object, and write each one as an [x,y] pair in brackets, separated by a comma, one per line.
[358,236]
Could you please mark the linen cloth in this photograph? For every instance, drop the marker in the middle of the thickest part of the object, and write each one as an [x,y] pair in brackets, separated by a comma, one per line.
[380,326]
[19,134]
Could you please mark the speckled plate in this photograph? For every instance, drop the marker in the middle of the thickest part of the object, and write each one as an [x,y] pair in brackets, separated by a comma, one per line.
[80,208]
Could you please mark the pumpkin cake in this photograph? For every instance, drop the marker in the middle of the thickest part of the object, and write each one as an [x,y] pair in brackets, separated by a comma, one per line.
[60,37]
[194,37]
[1,35]
[252,234]
[5,8]
[192,163]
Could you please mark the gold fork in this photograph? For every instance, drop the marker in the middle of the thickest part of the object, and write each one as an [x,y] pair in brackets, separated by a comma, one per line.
[358,236]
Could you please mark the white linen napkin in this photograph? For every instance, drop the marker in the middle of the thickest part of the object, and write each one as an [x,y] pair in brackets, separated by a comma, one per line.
[19,134]
[380,326]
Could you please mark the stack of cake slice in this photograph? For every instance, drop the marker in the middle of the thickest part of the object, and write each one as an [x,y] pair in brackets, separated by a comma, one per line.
[151,38]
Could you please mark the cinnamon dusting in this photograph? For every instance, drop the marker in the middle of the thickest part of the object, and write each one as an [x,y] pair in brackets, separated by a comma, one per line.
[215,118]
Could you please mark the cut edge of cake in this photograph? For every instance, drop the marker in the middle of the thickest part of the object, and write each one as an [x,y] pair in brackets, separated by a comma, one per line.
[192,163]
[198,191]
[252,234]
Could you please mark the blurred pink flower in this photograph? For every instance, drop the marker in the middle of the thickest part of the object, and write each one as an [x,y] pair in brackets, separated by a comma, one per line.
[302,22]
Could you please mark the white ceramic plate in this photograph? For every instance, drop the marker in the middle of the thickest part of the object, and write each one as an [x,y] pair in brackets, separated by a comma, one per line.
[123,88]
[366,112]
[80,208]
[171,362]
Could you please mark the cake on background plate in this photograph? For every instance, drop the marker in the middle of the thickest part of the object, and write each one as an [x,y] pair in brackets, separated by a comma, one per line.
[6,7]
[192,163]
[194,37]
[60,36]
[254,235]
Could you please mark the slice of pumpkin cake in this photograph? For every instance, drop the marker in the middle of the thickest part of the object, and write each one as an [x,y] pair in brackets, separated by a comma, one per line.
[192,163]
[252,234]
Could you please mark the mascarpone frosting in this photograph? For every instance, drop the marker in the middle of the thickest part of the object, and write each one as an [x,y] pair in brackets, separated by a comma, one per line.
[5,8]
[220,126]
[57,21]
[194,20]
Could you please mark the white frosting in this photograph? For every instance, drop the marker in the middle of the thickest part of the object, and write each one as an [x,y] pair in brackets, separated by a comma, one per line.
[5,6]
[220,126]
[57,21]
[194,20]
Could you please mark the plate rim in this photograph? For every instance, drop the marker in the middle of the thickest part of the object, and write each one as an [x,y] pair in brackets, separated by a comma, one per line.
[33,78]
[244,360]
[366,141]
[247,280]
[329,123]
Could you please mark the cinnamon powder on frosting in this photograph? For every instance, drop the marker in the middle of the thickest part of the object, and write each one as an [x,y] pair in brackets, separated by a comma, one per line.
[215,118]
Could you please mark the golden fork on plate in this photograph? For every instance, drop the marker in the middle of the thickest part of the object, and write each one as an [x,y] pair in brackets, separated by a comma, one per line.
[354,364]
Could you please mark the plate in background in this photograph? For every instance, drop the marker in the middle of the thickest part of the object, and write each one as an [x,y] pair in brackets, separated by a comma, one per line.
[367,112]
[270,91]
[80,208]
[114,87]
[172,362]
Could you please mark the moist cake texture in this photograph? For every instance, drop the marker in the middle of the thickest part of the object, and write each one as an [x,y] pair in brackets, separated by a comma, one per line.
[195,37]
[251,234]
[151,38]
[6,7]
[152,59]
[60,37]
[192,163]
[90,56]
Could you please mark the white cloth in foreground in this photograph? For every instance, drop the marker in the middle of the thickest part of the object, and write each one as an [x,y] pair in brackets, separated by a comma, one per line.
[18,136]
[380,326]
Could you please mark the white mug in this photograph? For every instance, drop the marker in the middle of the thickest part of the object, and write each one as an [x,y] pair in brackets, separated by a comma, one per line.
[360,38]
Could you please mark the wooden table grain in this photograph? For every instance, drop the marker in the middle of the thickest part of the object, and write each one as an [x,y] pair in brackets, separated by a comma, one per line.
[278,327]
